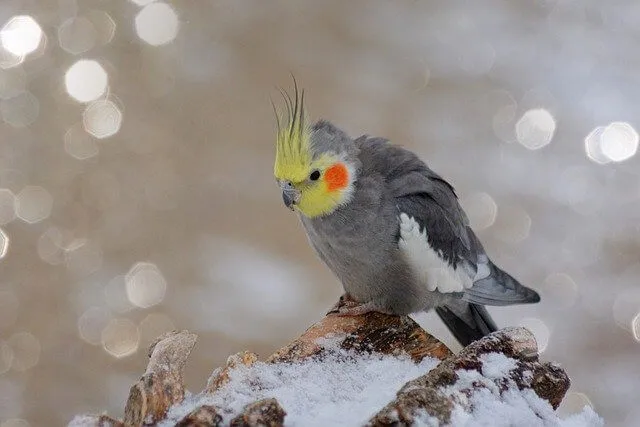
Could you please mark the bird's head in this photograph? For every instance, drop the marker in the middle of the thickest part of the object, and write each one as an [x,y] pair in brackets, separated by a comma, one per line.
[316,165]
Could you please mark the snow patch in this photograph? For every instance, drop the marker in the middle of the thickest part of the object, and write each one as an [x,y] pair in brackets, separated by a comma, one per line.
[517,408]
[495,365]
[346,389]
[492,408]
[82,421]
[341,389]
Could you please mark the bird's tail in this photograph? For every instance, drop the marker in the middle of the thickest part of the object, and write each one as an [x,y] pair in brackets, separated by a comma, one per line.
[499,288]
[467,322]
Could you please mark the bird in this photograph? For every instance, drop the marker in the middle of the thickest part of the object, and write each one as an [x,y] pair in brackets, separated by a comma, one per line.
[390,229]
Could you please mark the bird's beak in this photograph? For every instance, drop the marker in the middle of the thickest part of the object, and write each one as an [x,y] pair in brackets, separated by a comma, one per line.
[290,196]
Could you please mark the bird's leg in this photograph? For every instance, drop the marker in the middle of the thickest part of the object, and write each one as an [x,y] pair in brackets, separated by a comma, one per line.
[346,306]
[353,308]
[345,299]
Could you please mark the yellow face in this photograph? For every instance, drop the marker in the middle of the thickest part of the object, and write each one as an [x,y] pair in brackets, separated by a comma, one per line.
[314,187]
[317,189]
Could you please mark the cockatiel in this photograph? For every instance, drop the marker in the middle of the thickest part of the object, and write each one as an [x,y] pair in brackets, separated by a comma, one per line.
[388,227]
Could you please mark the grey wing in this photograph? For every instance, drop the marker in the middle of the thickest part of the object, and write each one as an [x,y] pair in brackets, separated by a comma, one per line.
[435,231]
[445,226]
[435,236]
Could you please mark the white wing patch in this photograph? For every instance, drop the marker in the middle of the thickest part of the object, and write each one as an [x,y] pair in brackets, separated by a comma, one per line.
[429,267]
[483,268]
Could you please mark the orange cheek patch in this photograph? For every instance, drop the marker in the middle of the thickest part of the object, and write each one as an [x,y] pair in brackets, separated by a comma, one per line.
[336,177]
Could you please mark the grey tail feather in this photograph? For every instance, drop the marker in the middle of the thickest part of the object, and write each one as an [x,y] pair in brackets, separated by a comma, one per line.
[500,288]
[467,324]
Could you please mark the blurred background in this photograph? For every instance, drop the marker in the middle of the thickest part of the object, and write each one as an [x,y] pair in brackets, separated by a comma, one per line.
[137,196]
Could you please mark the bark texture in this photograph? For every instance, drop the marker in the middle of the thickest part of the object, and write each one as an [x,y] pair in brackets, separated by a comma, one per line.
[162,385]
[204,416]
[265,412]
[372,332]
[428,394]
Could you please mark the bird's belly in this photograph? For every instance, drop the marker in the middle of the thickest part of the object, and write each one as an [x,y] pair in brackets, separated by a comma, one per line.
[367,260]
[371,274]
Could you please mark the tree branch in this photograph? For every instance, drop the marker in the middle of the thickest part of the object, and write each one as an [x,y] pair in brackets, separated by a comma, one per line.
[427,393]
[432,394]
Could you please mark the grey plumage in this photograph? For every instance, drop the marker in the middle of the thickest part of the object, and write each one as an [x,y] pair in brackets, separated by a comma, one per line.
[399,210]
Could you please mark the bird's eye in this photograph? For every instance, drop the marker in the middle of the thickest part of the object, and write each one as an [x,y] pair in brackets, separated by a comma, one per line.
[315,175]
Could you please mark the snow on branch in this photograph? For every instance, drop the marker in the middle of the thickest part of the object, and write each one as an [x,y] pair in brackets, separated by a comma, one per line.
[374,370]
[498,363]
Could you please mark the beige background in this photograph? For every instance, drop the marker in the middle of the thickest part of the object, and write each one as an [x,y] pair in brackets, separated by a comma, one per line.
[185,184]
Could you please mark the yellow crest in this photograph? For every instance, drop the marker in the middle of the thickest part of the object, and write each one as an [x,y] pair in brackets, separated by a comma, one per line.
[293,150]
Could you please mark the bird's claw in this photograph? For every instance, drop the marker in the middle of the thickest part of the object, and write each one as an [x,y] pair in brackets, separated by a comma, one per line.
[348,307]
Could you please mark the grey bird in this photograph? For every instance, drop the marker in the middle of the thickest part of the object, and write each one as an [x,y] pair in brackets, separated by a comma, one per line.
[390,229]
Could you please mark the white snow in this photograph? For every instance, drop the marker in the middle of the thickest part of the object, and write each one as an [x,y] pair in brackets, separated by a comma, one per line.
[492,408]
[345,389]
[342,389]
[81,421]
[517,408]
[494,365]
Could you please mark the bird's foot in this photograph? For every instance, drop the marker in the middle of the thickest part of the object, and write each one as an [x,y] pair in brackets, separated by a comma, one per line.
[348,307]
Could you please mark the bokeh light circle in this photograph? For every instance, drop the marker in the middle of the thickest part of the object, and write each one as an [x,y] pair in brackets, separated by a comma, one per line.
[619,141]
[7,206]
[79,144]
[481,209]
[142,2]
[157,24]
[145,284]
[635,327]
[102,119]
[536,128]
[4,243]
[91,324]
[86,80]
[21,35]
[77,35]
[120,338]
[593,146]
[33,204]
[104,25]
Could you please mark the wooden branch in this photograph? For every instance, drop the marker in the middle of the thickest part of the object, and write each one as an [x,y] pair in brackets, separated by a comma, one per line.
[263,413]
[162,384]
[220,376]
[95,421]
[204,416]
[372,332]
[426,394]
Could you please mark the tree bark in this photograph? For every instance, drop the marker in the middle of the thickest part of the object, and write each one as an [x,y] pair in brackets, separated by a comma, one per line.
[426,394]
[372,332]
[204,416]
[265,412]
[162,384]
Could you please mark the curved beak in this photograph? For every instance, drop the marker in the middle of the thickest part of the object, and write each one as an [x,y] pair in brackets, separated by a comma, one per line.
[290,196]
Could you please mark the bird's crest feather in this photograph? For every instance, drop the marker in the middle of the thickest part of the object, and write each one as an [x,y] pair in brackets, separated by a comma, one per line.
[293,143]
